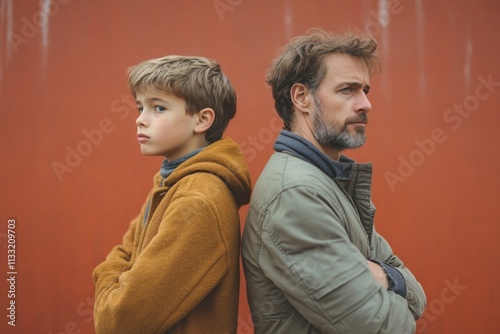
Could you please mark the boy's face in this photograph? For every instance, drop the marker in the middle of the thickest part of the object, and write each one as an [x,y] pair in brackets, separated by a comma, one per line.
[163,127]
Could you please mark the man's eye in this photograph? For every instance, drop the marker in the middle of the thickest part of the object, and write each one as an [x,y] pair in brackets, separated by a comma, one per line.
[159,108]
[346,90]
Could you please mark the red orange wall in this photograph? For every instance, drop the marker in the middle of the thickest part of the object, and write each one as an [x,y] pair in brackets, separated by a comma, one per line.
[433,137]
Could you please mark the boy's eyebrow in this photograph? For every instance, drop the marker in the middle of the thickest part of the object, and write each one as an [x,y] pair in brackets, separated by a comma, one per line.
[152,99]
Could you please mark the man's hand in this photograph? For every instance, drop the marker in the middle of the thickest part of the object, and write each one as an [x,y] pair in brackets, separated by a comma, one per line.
[378,274]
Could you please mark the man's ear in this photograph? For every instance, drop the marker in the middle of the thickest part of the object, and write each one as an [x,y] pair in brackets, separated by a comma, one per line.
[301,98]
[205,120]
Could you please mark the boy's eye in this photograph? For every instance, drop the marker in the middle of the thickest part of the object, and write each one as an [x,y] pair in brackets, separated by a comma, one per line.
[159,108]
[140,109]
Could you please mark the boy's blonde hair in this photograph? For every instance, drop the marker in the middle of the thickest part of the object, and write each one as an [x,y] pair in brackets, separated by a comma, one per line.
[197,80]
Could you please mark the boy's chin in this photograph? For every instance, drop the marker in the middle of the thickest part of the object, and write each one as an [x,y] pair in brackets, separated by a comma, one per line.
[150,154]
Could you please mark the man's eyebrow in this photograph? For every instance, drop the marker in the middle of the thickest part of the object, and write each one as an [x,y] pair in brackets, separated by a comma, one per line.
[356,84]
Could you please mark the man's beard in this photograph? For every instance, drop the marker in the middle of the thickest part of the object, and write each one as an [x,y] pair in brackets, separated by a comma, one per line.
[337,135]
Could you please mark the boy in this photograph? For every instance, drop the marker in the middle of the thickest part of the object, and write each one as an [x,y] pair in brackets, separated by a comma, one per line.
[177,270]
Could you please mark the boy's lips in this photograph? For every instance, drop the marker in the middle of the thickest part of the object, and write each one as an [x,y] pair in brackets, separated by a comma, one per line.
[142,137]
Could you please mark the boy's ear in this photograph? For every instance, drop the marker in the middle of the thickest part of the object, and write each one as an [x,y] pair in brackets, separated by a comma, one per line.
[205,120]
[301,98]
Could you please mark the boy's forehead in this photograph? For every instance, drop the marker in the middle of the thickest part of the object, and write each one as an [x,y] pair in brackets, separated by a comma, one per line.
[152,94]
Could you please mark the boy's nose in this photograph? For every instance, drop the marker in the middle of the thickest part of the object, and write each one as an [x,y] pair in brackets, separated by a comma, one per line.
[141,120]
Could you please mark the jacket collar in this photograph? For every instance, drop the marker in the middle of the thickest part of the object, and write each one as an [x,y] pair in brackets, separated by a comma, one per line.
[168,167]
[303,149]
[222,158]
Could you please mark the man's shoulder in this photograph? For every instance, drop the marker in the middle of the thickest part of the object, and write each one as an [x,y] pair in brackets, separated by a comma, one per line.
[291,171]
[285,172]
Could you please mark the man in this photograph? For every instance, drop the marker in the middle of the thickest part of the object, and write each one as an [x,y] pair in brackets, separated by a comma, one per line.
[312,258]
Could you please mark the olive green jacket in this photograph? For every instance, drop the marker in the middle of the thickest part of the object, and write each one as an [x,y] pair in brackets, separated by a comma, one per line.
[305,247]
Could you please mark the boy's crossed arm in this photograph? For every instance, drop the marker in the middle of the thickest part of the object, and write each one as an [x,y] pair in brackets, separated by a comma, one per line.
[175,271]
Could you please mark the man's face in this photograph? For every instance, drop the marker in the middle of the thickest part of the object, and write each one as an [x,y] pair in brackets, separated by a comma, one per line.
[341,104]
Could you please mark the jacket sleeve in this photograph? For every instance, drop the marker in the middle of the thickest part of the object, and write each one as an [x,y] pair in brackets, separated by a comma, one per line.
[117,262]
[414,292]
[308,255]
[119,259]
[181,265]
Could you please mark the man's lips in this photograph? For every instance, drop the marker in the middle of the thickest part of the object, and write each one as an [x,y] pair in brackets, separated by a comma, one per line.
[362,121]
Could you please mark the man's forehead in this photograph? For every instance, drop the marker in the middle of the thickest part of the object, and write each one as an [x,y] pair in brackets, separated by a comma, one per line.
[346,68]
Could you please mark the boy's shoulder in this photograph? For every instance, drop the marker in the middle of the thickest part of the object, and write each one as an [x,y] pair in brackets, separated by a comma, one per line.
[217,170]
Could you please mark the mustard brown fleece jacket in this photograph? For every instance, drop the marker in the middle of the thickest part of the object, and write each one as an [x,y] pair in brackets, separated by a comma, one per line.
[177,271]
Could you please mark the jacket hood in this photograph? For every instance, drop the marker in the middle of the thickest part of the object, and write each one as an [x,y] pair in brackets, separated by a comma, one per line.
[222,158]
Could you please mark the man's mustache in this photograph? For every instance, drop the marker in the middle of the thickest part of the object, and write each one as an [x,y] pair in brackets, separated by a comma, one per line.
[360,118]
